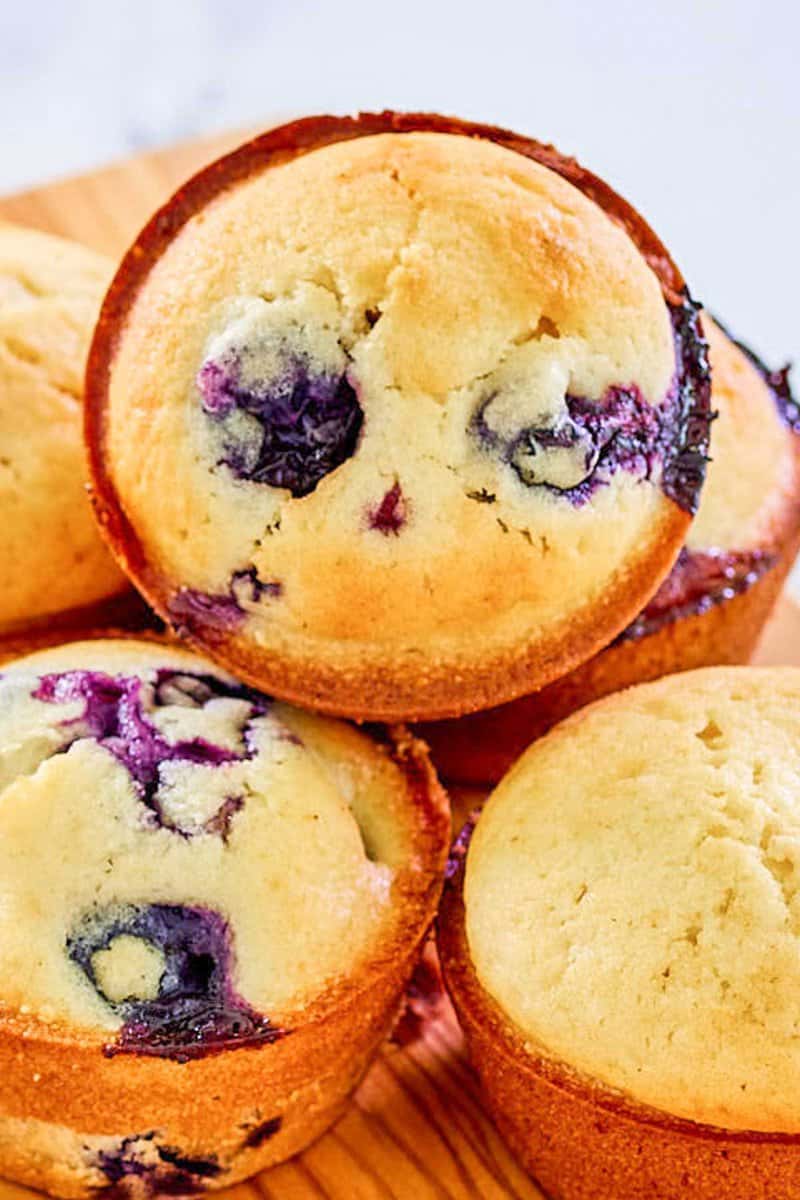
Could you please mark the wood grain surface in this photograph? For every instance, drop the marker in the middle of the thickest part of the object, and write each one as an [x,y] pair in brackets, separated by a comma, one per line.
[415,1130]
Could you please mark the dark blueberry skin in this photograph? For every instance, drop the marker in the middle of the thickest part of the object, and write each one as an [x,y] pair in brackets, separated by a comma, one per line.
[686,414]
[262,1133]
[621,431]
[698,581]
[304,424]
[115,716]
[174,1174]
[197,1011]
[391,514]
[194,610]
[618,432]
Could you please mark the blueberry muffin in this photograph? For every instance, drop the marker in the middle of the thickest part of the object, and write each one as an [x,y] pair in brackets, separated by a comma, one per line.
[210,906]
[356,352]
[53,564]
[621,943]
[712,606]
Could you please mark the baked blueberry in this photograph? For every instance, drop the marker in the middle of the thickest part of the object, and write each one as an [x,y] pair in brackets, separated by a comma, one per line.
[188,1005]
[121,714]
[283,419]
[142,1166]
[391,514]
[191,609]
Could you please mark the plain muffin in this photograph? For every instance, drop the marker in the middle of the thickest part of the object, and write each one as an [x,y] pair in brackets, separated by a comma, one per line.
[397,415]
[210,906]
[621,943]
[53,564]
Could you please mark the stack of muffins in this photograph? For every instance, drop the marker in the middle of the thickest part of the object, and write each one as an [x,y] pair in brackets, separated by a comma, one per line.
[392,419]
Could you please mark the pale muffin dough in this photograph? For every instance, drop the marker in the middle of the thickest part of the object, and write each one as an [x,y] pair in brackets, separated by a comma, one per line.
[632,897]
[52,559]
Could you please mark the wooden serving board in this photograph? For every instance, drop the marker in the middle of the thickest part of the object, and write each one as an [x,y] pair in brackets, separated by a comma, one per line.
[415,1130]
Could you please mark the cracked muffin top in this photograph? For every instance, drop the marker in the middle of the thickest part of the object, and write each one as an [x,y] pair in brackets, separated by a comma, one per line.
[187,865]
[52,559]
[638,919]
[327,374]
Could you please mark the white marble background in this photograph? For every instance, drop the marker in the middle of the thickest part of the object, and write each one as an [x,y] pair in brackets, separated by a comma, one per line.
[690,107]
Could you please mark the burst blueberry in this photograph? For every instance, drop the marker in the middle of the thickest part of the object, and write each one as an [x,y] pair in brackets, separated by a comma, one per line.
[115,714]
[196,1010]
[593,439]
[288,430]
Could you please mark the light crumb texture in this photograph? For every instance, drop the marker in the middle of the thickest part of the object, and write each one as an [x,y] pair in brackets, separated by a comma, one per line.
[51,555]
[289,831]
[441,272]
[752,475]
[633,896]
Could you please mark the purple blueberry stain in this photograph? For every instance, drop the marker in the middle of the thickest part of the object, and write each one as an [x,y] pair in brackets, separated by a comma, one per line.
[288,428]
[698,581]
[390,515]
[139,1164]
[206,612]
[593,440]
[197,1010]
[115,715]
[195,611]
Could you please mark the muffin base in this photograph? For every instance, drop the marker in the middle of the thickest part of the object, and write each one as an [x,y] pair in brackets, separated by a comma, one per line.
[578,1138]
[67,1107]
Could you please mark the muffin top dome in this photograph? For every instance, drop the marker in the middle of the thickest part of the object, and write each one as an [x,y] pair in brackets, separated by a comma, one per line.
[632,902]
[187,865]
[52,559]
[325,375]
